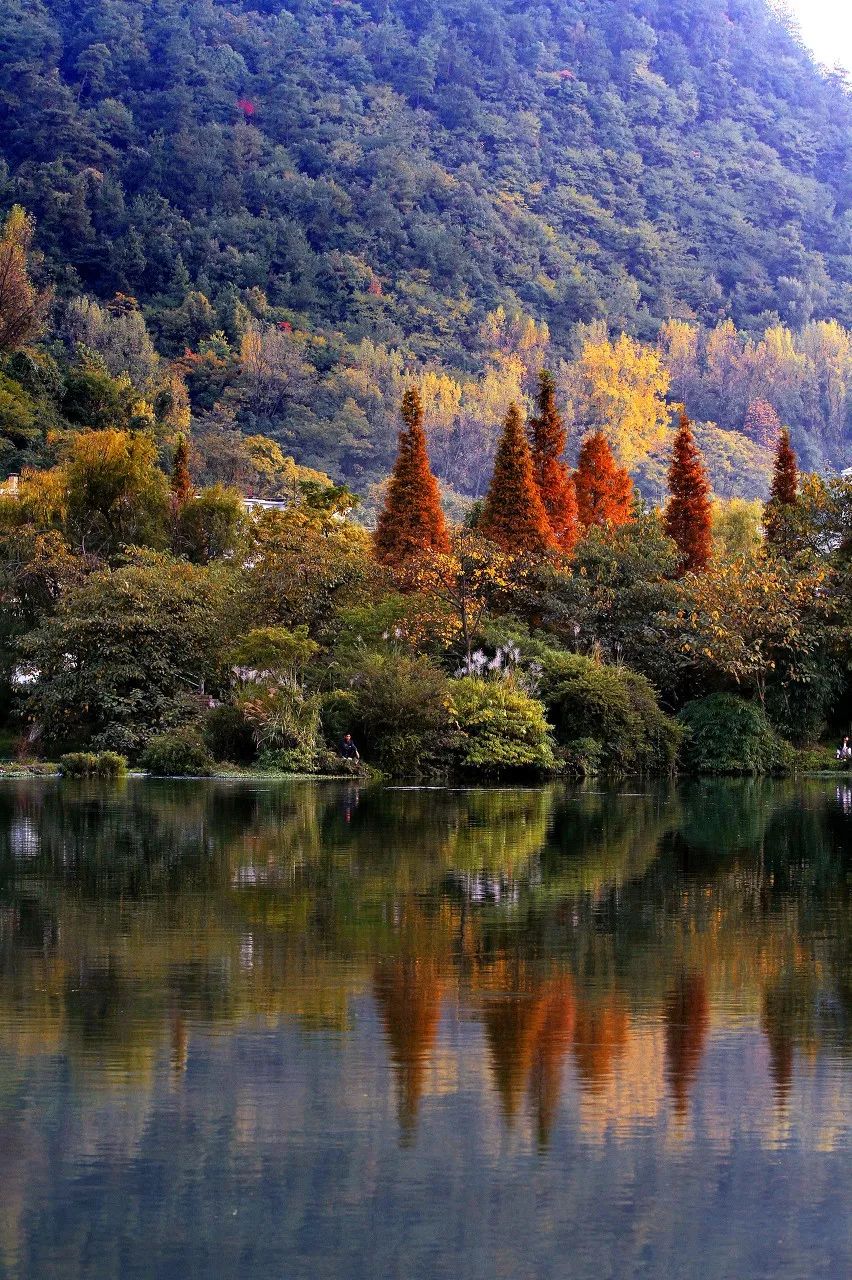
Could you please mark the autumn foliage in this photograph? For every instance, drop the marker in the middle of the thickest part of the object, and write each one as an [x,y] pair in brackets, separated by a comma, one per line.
[513,515]
[783,496]
[785,477]
[412,520]
[22,307]
[553,478]
[181,480]
[604,489]
[688,518]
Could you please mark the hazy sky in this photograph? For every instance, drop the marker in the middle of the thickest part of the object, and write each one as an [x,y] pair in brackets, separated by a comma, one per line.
[826,26]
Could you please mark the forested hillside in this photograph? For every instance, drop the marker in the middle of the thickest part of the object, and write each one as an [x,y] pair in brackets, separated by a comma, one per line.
[310,202]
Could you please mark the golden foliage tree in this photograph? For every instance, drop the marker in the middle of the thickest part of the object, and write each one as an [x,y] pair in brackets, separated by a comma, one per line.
[619,388]
[22,307]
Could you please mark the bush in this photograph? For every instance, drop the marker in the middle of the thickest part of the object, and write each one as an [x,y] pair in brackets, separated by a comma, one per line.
[401,710]
[498,727]
[228,735]
[582,757]
[612,705]
[181,753]
[338,714]
[91,764]
[285,721]
[726,734]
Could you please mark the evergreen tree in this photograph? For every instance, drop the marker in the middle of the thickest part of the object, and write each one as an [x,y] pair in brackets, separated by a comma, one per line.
[412,520]
[552,476]
[688,516]
[783,497]
[181,481]
[513,513]
[604,489]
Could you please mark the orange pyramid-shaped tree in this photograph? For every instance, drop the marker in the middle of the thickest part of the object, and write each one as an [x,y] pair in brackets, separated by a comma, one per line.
[783,498]
[181,480]
[412,520]
[553,478]
[688,518]
[513,514]
[604,489]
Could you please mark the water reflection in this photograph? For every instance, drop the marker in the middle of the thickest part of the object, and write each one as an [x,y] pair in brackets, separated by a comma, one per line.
[533,967]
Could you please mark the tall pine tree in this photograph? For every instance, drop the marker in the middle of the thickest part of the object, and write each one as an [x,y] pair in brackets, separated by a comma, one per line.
[181,480]
[688,517]
[783,498]
[604,489]
[513,513]
[412,519]
[552,476]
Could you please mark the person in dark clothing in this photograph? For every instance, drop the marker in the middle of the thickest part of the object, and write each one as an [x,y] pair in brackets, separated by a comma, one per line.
[348,749]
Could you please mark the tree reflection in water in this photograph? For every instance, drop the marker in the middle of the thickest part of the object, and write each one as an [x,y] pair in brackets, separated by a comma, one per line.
[562,924]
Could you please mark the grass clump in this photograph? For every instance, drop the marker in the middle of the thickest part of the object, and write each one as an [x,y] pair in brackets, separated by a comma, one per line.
[92,764]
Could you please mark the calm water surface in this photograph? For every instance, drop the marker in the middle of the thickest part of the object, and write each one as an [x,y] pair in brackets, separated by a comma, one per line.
[298,1030]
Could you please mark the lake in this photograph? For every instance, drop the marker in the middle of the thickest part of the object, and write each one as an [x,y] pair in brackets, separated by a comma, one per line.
[306,1030]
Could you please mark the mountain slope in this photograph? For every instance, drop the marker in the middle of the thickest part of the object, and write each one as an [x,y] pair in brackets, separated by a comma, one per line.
[402,167]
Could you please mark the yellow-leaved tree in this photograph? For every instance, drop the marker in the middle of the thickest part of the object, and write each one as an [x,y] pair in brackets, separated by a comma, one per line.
[619,387]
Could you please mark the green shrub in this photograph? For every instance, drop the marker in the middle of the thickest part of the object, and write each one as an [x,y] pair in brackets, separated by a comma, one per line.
[91,764]
[401,710]
[612,705]
[228,735]
[726,734]
[819,760]
[180,753]
[498,727]
[338,714]
[583,757]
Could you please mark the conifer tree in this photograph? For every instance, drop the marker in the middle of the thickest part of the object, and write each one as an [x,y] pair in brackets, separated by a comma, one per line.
[553,478]
[604,489]
[412,519]
[783,497]
[513,513]
[181,480]
[688,517]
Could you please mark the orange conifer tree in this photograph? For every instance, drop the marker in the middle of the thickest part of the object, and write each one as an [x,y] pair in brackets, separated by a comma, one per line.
[181,480]
[513,513]
[604,489]
[412,519]
[688,516]
[552,476]
[783,497]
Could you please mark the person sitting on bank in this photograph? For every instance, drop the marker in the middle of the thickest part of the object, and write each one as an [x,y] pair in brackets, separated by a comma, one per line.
[348,749]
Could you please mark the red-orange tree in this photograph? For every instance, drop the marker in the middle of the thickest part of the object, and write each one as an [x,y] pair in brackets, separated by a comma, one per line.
[779,511]
[688,518]
[547,432]
[513,514]
[604,489]
[412,519]
[181,480]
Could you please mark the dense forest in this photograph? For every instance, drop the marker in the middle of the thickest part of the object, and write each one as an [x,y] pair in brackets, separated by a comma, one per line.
[291,210]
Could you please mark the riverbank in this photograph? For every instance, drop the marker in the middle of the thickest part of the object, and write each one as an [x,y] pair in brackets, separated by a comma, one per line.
[810,762]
